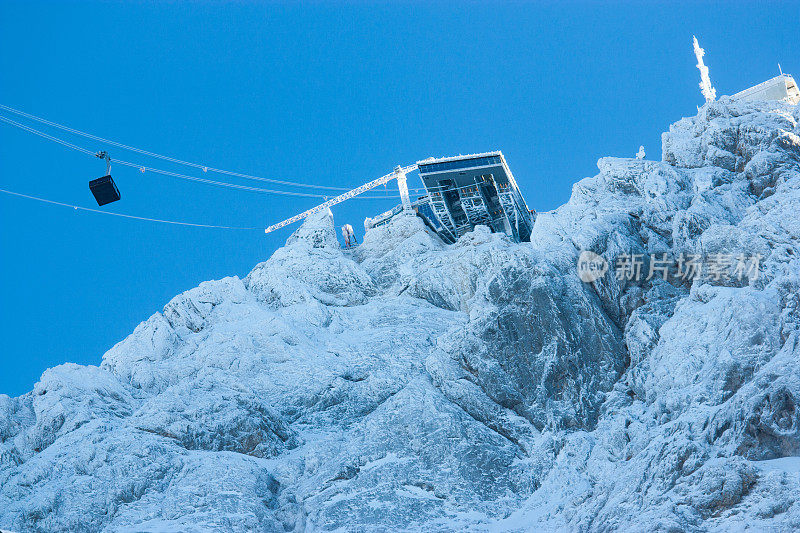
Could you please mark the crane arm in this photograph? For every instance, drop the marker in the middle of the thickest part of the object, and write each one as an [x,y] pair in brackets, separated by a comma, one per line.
[344,196]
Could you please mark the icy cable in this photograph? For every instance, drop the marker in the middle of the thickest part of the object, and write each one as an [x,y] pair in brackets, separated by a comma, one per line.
[204,168]
[79,208]
[144,168]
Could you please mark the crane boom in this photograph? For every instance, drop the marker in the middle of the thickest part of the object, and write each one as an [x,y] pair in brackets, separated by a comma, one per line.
[344,196]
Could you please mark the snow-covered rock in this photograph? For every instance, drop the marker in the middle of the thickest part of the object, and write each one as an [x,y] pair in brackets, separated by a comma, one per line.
[412,385]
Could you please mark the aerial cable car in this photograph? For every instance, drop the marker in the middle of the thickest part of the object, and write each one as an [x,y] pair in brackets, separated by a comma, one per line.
[104,189]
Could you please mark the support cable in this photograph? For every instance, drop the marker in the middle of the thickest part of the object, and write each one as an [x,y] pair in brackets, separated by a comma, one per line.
[143,168]
[204,168]
[89,209]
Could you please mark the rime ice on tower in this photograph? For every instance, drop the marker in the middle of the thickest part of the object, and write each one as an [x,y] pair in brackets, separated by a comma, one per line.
[780,88]
[708,91]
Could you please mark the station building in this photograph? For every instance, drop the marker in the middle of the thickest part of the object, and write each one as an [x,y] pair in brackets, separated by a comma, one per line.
[782,87]
[465,191]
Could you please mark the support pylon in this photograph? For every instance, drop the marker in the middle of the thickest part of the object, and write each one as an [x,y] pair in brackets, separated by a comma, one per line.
[403,186]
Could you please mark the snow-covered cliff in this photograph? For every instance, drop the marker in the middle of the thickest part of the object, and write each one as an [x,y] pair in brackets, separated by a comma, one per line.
[479,386]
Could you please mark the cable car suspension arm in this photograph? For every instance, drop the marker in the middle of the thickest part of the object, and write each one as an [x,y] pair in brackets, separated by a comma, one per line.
[343,197]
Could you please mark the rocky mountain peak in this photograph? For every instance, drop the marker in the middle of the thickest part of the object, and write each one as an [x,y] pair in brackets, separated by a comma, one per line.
[413,385]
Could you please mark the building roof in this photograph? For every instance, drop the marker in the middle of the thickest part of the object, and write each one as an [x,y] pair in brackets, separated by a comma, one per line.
[777,80]
[458,157]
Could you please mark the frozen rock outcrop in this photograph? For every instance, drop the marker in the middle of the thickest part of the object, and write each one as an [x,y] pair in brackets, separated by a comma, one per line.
[412,385]
[311,268]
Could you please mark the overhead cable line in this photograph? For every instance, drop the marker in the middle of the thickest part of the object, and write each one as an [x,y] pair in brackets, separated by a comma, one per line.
[143,168]
[46,136]
[204,168]
[89,209]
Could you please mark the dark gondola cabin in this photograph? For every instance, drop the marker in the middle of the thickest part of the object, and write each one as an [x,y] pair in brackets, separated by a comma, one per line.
[104,190]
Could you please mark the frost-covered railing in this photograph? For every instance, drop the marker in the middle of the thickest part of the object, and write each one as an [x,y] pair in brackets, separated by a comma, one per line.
[371,222]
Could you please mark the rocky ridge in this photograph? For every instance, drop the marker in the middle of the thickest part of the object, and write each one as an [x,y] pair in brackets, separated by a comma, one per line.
[480,386]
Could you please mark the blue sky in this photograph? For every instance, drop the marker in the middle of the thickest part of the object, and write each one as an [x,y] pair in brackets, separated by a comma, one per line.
[324,93]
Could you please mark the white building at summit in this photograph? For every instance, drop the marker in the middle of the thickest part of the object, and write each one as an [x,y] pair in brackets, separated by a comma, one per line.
[782,87]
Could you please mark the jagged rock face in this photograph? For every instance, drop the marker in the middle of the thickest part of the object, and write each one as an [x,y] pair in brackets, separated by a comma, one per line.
[413,385]
[310,269]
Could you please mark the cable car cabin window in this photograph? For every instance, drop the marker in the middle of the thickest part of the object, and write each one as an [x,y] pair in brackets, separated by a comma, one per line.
[104,190]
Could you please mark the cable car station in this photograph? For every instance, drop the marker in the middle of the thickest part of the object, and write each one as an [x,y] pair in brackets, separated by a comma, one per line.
[465,191]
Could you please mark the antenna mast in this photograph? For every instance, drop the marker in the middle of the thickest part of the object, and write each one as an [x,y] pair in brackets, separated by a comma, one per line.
[708,91]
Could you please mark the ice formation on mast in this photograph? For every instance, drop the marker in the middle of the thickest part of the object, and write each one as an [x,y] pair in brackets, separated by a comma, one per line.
[708,91]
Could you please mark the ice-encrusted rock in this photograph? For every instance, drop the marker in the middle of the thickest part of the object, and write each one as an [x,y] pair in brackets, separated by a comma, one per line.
[311,268]
[411,385]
